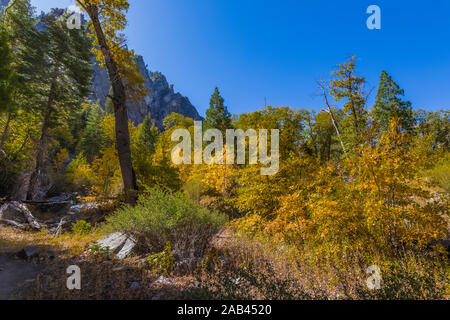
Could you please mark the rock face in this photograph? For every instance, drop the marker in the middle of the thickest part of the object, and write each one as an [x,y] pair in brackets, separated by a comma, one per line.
[160,101]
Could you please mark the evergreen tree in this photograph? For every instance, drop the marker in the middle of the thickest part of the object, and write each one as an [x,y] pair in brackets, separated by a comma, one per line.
[21,61]
[347,86]
[64,84]
[6,70]
[217,116]
[6,82]
[389,104]
[144,150]
[93,138]
[147,138]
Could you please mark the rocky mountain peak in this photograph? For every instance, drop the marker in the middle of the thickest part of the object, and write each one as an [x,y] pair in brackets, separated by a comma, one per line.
[160,101]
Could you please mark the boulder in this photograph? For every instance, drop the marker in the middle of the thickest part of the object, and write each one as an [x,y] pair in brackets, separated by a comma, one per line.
[127,249]
[17,214]
[119,244]
[114,241]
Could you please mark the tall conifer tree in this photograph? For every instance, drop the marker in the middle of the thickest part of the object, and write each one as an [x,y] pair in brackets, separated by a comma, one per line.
[217,116]
[389,104]
[65,81]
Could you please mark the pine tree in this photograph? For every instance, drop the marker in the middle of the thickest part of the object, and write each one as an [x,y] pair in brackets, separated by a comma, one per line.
[93,138]
[389,104]
[21,61]
[346,85]
[6,70]
[144,150]
[147,138]
[217,116]
[65,81]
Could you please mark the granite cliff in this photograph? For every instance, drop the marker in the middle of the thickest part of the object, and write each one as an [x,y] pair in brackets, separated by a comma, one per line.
[160,101]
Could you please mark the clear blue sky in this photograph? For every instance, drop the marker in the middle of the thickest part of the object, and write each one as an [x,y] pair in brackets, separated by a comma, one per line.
[253,49]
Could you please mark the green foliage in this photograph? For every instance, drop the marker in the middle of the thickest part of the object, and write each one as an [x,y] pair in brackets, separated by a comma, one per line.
[147,137]
[161,263]
[98,250]
[6,70]
[81,228]
[93,138]
[144,150]
[349,193]
[218,116]
[79,174]
[440,174]
[348,87]
[435,125]
[389,104]
[161,217]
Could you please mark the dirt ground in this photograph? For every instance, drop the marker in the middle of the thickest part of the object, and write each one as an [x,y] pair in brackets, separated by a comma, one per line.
[15,273]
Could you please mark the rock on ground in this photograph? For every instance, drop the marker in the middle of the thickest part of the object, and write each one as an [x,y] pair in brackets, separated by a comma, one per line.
[119,244]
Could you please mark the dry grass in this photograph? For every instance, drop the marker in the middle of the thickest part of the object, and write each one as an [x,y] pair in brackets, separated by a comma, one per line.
[12,240]
[234,268]
[239,268]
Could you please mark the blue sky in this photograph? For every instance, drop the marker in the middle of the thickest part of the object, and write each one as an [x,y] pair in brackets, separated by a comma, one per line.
[254,49]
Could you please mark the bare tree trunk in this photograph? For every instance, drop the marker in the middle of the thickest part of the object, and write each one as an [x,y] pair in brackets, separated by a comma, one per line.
[120,110]
[323,87]
[35,178]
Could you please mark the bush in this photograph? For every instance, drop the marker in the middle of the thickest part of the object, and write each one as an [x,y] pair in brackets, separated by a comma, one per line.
[440,174]
[161,217]
[81,228]
[161,263]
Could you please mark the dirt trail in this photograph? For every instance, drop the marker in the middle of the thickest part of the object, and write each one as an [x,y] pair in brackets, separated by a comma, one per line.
[13,274]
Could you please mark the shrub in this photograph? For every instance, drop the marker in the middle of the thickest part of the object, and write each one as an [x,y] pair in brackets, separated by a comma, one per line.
[440,174]
[97,250]
[161,217]
[81,228]
[163,262]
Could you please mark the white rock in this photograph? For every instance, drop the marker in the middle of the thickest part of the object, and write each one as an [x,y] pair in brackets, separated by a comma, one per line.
[119,244]
[127,249]
[113,241]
